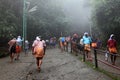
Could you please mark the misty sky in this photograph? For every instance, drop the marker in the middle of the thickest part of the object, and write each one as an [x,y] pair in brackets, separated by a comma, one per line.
[78,12]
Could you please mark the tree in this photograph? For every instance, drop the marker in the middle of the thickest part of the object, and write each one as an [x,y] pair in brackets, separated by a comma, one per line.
[106,17]
[10,19]
[48,21]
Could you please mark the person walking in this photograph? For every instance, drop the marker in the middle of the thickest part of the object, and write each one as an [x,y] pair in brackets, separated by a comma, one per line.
[26,47]
[61,42]
[38,52]
[67,40]
[12,48]
[44,45]
[87,41]
[81,44]
[74,42]
[112,47]
[18,47]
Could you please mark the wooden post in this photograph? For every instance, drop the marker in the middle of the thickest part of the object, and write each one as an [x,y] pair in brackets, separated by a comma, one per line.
[83,56]
[71,46]
[95,57]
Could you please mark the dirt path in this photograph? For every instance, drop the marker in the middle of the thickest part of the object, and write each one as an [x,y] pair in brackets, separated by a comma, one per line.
[15,70]
[56,66]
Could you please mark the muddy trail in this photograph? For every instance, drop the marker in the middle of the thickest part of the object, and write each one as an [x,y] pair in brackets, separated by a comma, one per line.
[56,65]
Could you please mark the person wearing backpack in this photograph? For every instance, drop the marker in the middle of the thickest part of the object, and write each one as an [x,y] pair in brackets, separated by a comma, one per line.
[87,45]
[112,47]
[38,52]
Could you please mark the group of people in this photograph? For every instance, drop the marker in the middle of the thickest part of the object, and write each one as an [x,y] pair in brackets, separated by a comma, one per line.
[63,43]
[38,49]
[52,42]
[82,43]
[77,43]
[85,42]
[15,47]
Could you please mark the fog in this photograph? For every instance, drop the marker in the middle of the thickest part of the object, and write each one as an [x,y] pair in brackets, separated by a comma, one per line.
[77,13]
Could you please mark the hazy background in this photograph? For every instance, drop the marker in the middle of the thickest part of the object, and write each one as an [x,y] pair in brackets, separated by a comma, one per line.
[77,13]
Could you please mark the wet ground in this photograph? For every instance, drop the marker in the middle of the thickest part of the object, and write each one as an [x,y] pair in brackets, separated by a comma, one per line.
[56,66]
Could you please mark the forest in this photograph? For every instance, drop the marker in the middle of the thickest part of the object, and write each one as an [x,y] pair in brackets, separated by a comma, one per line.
[106,18]
[50,20]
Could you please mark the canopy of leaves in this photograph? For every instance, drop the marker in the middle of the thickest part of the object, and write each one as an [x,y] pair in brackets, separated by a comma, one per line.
[10,19]
[47,21]
[106,18]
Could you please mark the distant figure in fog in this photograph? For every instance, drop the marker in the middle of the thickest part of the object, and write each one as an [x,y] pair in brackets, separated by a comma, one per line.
[51,42]
[67,41]
[47,43]
[61,42]
[26,47]
[74,42]
[54,42]
[80,45]
[99,43]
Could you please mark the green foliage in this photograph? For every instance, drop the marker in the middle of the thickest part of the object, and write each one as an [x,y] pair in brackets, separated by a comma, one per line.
[48,20]
[106,17]
[9,18]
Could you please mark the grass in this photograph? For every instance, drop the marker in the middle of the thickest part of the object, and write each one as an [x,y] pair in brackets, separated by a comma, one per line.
[3,52]
[98,69]
[101,70]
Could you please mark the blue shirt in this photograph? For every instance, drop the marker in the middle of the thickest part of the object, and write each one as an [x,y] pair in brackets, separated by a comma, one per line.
[62,39]
[86,40]
[19,41]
